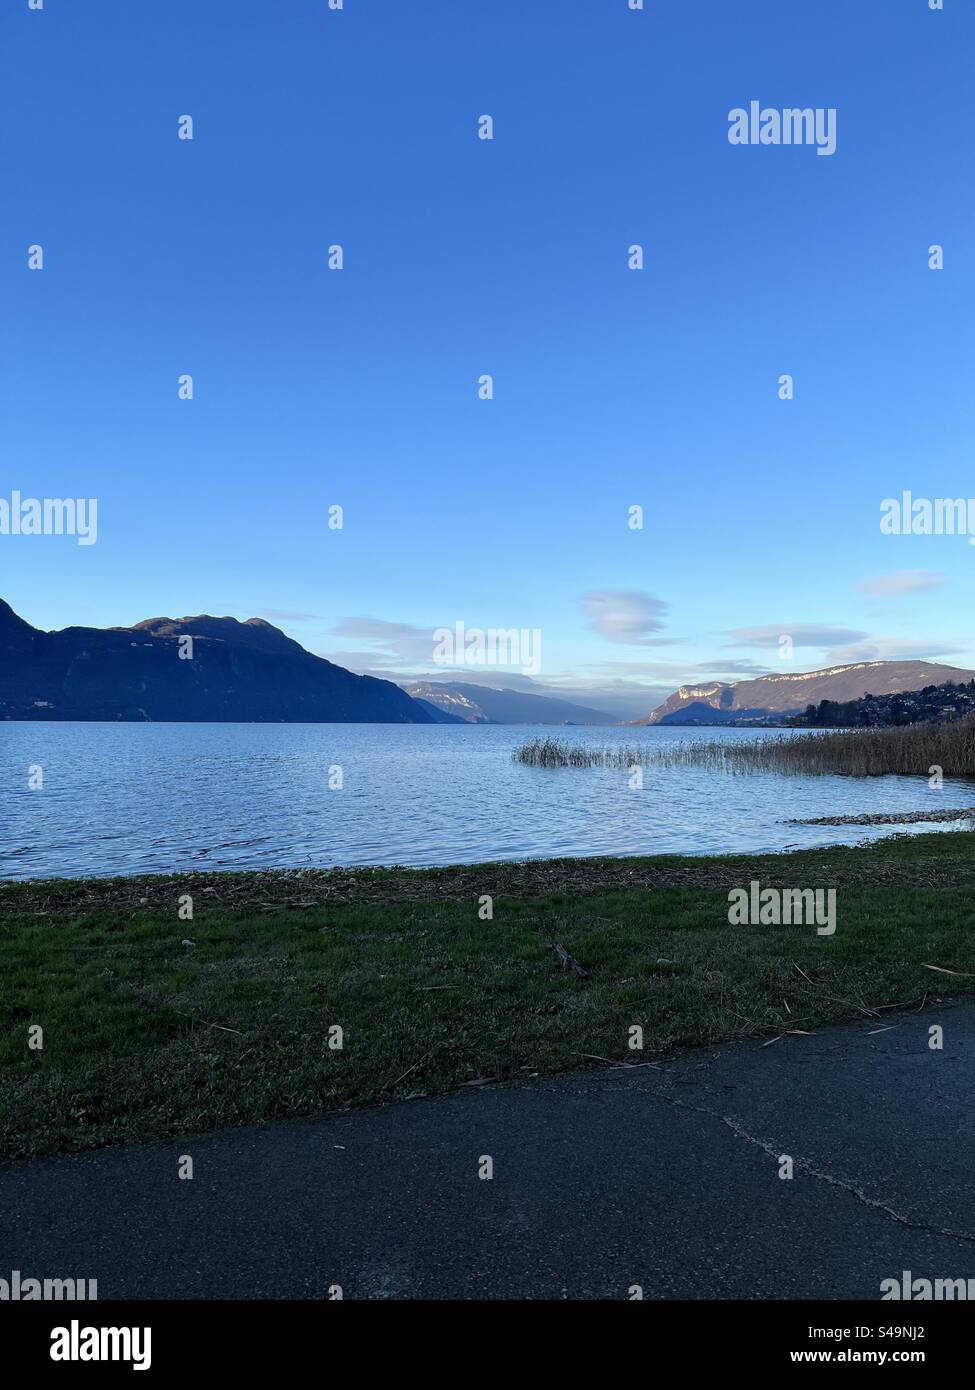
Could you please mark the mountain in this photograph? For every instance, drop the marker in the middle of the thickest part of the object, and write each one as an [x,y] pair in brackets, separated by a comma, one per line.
[480,704]
[438,715]
[447,700]
[249,672]
[776,697]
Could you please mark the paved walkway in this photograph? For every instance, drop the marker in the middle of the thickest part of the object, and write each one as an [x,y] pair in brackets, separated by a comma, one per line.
[663,1178]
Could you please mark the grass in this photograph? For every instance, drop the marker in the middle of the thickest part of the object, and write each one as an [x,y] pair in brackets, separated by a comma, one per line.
[146,1038]
[913,750]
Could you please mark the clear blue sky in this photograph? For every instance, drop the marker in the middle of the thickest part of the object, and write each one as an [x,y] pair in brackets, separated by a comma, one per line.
[463,256]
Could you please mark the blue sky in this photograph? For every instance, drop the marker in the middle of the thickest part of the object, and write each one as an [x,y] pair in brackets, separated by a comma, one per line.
[463,256]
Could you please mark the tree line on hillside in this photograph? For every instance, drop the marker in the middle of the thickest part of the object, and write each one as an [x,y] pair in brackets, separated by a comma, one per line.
[948,701]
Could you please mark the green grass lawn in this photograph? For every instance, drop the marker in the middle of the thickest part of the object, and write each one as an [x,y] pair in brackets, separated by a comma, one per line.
[146,1038]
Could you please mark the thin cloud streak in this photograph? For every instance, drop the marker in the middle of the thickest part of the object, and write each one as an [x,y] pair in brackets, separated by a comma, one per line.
[900,583]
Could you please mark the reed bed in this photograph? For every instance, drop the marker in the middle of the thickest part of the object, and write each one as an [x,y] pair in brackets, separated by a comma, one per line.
[913,750]
[557,752]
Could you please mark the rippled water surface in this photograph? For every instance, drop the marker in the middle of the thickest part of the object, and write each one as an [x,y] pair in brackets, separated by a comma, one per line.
[139,798]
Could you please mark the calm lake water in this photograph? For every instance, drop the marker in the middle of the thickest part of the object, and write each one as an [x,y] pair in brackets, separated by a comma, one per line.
[152,798]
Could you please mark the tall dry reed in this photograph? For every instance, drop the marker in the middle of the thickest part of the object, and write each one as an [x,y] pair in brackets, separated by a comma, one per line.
[912,750]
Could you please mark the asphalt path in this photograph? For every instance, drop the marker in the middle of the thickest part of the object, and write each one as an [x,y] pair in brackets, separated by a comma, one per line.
[665,1177]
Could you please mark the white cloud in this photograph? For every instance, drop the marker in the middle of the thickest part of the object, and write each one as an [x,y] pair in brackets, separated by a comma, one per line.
[802,634]
[392,645]
[901,582]
[625,615]
[892,649]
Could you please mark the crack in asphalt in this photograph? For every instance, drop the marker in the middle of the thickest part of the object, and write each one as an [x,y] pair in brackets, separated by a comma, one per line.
[776,1151]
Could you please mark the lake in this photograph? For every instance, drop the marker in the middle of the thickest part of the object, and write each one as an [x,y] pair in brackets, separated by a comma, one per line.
[159,798]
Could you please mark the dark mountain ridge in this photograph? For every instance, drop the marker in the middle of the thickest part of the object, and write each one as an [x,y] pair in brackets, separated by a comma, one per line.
[248,672]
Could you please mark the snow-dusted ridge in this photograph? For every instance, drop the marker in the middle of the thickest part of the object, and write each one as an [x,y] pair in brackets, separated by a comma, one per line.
[773,697]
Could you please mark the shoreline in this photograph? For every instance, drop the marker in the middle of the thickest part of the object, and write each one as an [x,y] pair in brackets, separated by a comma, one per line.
[892,818]
[391,884]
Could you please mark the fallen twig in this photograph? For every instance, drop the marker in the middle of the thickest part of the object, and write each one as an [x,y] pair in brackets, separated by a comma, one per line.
[619,1066]
[414,1067]
[207,1024]
[570,961]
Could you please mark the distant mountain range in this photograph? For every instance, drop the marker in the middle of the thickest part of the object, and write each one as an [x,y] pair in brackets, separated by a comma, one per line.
[246,671]
[774,698]
[251,672]
[480,704]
